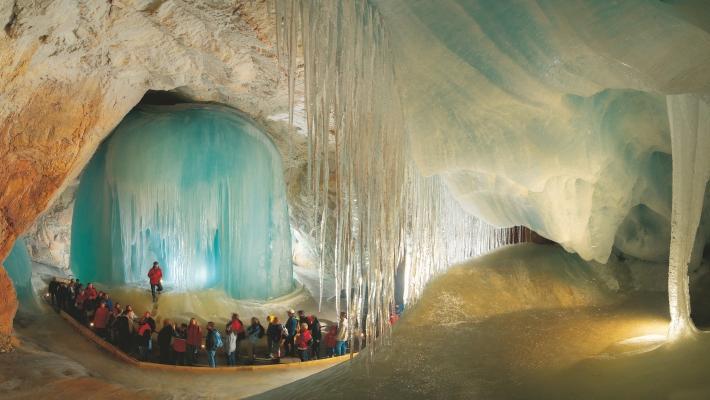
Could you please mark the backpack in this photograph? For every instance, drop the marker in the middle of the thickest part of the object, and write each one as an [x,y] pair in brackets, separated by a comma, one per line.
[218,340]
[261,331]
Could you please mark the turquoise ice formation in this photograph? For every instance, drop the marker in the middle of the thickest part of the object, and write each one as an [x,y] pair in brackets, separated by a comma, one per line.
[199,189]
[19,268]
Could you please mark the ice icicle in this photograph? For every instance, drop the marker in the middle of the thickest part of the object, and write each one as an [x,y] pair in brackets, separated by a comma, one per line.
[199,189]
[689,117]
[373,211]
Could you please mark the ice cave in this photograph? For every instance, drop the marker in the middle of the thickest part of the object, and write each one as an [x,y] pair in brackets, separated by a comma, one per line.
[197,188]
[355,199]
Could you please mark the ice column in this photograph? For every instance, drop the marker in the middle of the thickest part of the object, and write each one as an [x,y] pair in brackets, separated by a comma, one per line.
[689,117]
[199,189]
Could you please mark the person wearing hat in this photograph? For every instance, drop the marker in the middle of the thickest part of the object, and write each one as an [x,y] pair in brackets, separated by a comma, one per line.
[292,329]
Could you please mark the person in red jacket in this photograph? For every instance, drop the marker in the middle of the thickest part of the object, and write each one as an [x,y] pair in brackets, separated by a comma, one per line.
[101,319]
[156,276]
[194,341]
[91,293]
[303,342]
[330,340]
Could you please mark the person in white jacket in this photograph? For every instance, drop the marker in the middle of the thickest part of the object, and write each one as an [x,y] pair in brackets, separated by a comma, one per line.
[342,336]
[232,347]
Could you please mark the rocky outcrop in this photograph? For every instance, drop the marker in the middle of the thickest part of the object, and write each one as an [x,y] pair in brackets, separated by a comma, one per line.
[49,238]
[8,308]
[71,70]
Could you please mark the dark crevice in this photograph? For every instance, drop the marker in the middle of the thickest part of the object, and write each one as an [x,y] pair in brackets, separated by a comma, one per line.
[163,98]
[13,19]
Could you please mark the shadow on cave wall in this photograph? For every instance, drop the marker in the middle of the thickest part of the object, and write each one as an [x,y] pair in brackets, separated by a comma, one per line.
[163,98]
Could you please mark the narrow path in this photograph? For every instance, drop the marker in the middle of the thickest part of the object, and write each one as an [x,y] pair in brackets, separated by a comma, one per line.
[55,356]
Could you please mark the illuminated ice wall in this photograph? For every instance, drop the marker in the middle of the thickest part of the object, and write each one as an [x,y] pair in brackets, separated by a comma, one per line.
[19,268]
[199,189]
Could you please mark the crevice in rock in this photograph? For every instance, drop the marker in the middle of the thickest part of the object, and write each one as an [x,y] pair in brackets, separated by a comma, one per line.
[13,19]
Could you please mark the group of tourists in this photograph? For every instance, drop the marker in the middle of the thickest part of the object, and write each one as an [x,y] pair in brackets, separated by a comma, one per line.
[180,344]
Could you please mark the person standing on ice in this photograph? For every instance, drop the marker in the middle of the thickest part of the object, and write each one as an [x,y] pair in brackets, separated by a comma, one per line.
[342,335]
[156,276]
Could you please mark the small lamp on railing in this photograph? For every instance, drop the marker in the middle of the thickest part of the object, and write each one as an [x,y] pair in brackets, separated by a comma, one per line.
[91,324]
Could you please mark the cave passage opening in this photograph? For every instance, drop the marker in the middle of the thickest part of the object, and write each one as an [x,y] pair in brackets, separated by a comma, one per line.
[198,188]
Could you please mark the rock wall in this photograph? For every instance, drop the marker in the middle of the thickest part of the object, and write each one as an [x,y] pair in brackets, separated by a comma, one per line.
[70,71]
[49,238]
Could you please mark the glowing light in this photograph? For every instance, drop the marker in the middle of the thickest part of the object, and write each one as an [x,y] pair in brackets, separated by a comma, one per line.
[91,324]
[644,339]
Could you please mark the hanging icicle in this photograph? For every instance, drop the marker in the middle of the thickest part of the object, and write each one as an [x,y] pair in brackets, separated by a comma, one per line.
[384,213]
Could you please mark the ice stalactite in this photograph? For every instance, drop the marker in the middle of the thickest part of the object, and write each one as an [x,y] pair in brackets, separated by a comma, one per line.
[197,188]
[689,117]
[440,233]
[374,210]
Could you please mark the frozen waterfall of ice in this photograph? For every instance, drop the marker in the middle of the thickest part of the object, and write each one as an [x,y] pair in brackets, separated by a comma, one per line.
[387,217]
[549,114]
[690,130]
[197,188]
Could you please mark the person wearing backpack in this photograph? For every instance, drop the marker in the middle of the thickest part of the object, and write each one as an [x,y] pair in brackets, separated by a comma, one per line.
[212,344]
[254,334]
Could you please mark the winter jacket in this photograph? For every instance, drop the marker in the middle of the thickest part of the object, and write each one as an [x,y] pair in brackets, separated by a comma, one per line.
[238,327]
[342,330]
[144,333]
[315,330]
[211,340]
[165,336]
[275,332]
[91,293]
[231,342]
[330,337]
[254,332]
[122,325]
[179,344]
[303,340]
[155,275]
[150,322]
[194,335]
[101,317]
[292,326]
